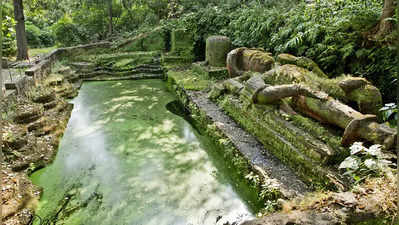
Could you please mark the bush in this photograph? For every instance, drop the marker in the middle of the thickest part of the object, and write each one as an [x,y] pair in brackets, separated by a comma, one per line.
[66,32]
[47,37]
[9,38]
[33,35]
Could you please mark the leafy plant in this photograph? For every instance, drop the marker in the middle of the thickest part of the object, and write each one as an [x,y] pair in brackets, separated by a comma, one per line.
[365,162]
[389,114]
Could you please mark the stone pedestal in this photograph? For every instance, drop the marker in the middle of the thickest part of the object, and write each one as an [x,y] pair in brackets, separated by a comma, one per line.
[217,48]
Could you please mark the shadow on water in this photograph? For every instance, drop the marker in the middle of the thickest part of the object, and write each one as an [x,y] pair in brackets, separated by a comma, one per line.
[177,108]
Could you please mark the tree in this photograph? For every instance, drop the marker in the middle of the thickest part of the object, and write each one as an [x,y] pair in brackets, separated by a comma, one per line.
[22,44]
[385,25]
[1,63]
[110,25]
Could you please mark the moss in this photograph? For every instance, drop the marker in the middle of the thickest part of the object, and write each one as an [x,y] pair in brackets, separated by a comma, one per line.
[257,60]
[230,152]
[288,74]
[217,48]
[210,72]
[124,61]
[172,59]
[303,62]
[323,134]
[188,80]
[377,221]
[368,98]
[286,59]
[290,147]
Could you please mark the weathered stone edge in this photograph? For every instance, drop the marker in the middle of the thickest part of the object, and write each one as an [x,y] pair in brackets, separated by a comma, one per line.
[288,184]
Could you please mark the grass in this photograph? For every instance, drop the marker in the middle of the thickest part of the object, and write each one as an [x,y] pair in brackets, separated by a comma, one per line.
[40,51]
[189,80]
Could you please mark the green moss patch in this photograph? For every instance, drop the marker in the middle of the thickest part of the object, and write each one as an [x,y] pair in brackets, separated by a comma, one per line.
[289,143]
[210,72]
[188,80]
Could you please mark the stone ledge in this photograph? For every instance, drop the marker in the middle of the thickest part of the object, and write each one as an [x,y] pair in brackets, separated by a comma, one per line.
[218,73]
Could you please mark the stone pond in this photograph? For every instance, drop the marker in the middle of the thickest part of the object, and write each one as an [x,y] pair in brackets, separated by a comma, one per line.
[126,159]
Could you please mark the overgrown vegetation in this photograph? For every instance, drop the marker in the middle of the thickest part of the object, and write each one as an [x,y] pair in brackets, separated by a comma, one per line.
[334,33]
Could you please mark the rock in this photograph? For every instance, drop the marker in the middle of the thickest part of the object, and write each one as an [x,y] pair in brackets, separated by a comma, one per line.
[217,48]
[50,105]
[13,135]
[83,65]
[28,113]
[64,70]
[54,79]
[296,217]
[356,124]
[288,74]
[217,90]
[203,69]
[285,58]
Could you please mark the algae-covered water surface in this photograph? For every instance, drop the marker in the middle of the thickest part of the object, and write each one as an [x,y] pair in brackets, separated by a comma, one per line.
[126,159]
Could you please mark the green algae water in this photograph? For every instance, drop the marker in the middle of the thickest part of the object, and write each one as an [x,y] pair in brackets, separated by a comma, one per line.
[126,160]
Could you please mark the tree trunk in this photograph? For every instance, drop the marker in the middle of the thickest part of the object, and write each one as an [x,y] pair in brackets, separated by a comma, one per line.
[1,65]
[385,26]
[22,44]
[110,26]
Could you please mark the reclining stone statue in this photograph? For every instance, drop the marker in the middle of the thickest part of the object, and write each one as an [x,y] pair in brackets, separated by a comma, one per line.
[311,92]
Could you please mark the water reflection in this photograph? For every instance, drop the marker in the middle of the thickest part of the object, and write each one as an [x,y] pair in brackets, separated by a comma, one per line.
[147,166]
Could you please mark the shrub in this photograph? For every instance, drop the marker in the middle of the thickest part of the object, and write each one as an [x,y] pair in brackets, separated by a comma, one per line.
[47,37]
[66,33]
[9,38]
[33,35]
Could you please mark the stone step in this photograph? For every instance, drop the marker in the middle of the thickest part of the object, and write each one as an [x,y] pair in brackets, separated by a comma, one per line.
[272,169]
[302,151]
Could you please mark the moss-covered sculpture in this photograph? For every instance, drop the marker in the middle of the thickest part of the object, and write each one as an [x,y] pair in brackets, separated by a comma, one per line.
[243,59]
[311,93]
[291,69]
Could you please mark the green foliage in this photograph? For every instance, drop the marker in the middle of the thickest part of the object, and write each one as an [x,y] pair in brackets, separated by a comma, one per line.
[365,162]
[8,31]
[66,32]
[32,35]
[9,43]
[389,114]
